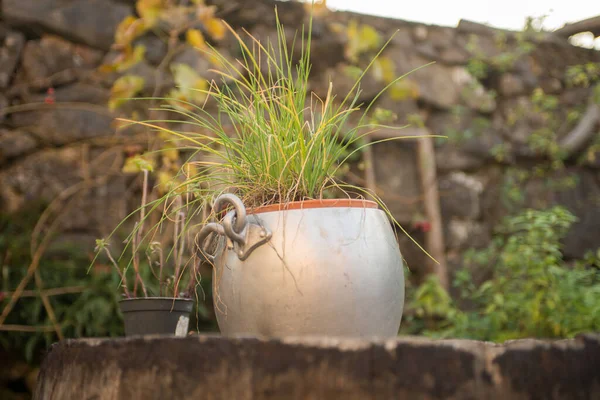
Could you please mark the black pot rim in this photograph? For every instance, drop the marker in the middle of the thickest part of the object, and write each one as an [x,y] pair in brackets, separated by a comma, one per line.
[156,304]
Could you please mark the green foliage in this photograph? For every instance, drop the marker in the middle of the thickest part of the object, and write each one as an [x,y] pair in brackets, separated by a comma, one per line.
[362,47]
[583,75]
[596,94]
[543,102]
[91,311]
[532,291]
[286,145]
[544,140]
[478,68]
[277,154]
[500,152]
[481,65]
[512,194]
[592,153]
[455,133]
[89,306]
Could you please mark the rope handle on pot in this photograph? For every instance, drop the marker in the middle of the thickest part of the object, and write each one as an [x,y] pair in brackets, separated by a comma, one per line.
[242,235]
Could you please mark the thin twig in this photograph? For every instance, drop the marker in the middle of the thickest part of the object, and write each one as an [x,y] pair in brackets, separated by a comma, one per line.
[30,271]
[194,280]
[47,305]
[138,236]
[178,243]
[49,292]
[135,260]
[160,271]
[150,264]
[175,252]
[37,255]
[122,275]
[26,328]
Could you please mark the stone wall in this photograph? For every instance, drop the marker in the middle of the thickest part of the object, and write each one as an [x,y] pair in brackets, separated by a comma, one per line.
[57,138]
[320,368]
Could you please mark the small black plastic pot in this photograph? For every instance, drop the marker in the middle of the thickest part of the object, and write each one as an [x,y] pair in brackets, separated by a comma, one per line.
[156,316]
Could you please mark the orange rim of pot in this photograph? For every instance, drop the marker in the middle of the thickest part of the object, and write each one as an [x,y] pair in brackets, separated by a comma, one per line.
[319,203]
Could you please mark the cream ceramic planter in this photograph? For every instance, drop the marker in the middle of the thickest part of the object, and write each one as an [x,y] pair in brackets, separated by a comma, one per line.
[319,267]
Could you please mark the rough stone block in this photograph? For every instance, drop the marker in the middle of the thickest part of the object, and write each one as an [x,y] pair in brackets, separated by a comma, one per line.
[92,22]
[14,144]
[212,367]
[52,55]
[398,178]
[65,125]
[10,53]
[583,200]
[460,195]
[46,174]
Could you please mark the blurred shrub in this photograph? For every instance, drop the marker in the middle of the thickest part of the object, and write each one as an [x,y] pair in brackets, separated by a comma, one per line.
[91,311]
[532,291]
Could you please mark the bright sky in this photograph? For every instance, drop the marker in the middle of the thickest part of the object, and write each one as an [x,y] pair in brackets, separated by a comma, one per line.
[508,14]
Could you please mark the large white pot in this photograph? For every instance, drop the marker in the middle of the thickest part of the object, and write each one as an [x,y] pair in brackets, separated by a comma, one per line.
[319,267]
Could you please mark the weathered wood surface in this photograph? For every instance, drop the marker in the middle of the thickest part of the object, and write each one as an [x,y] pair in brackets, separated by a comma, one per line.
[213,367]
[587,25]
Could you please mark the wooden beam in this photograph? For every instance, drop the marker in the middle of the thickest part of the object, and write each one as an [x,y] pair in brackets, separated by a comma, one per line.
[370,177]
[584,131]
[434,239]
[409,133]
[587,25]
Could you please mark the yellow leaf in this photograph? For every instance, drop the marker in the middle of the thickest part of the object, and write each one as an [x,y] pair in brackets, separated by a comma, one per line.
[184,75]
[130,167]
[169,152]
[215,27]
[137,164]
[124,88]
[107,68]
[164,135]
[149,10]
[404,89]
[216,60]
[352,45]
[190,86]
[127,59]
[336,27]
[195,38]
[190,169]
[165,181]
[361,39]
[370,38]
[178,98]
[384,69]
[128,30]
